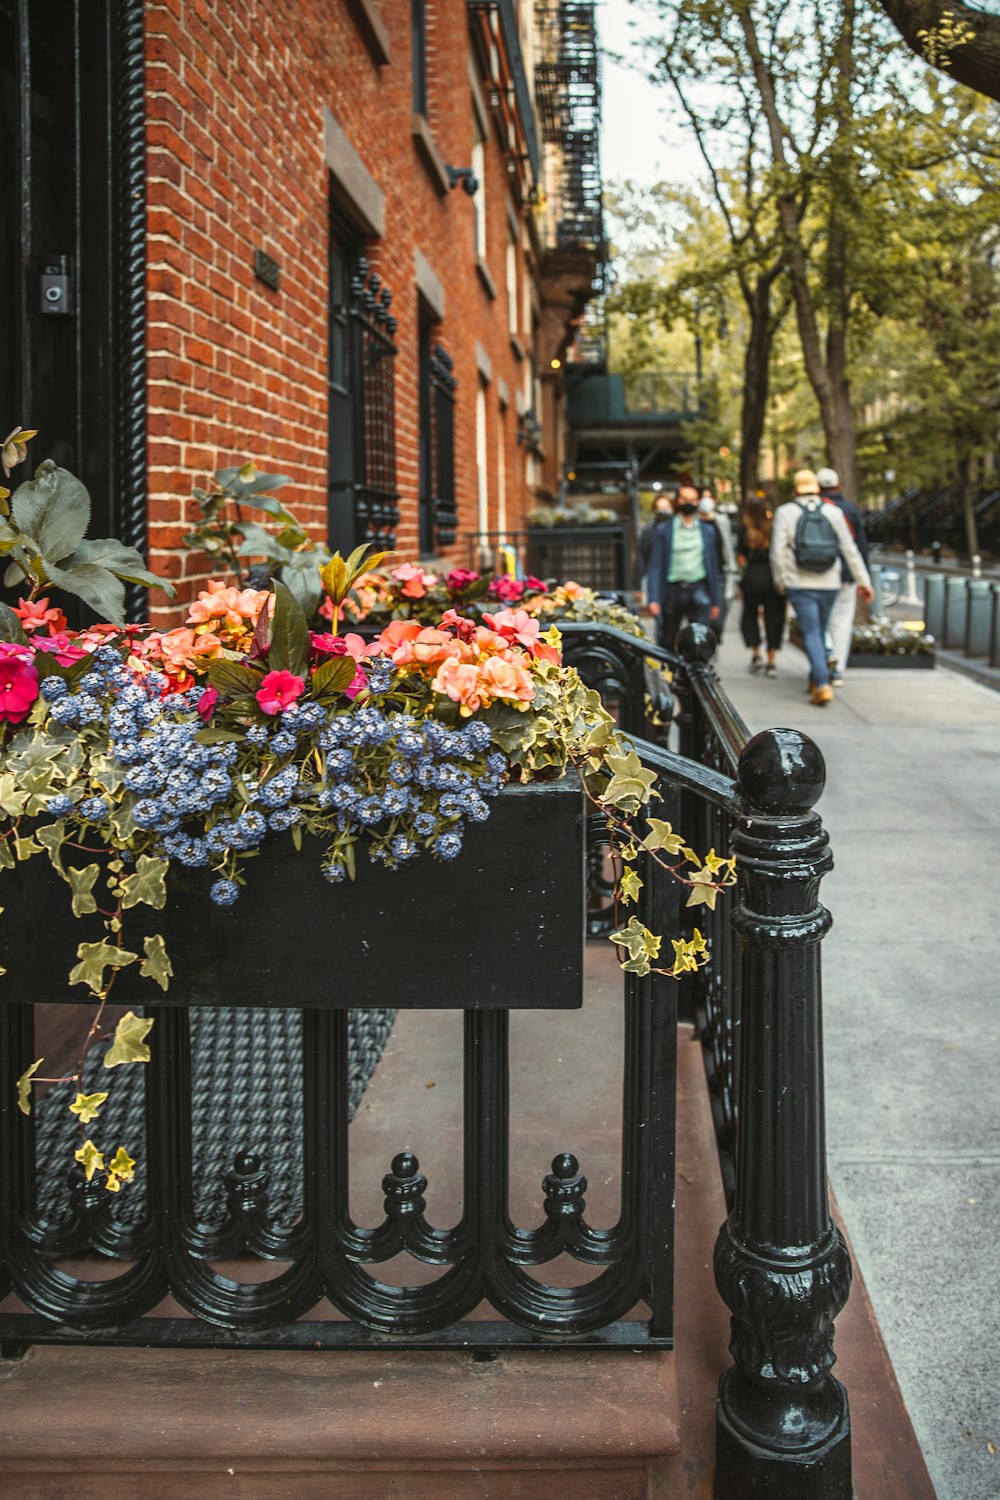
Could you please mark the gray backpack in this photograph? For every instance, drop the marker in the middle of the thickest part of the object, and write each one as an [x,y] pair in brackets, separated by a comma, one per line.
[816,545]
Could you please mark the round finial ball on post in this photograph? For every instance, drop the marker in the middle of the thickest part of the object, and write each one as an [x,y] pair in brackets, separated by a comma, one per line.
[696,643]
[782,771]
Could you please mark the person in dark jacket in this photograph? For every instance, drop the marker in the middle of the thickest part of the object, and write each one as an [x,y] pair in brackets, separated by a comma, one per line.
[753,545]
[684,580]
[663,510]
[841,627]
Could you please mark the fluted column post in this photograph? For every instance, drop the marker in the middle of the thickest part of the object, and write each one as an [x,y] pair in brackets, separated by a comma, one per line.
[781,1266]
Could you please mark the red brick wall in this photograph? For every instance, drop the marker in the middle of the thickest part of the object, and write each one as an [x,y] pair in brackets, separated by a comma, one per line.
[236,161]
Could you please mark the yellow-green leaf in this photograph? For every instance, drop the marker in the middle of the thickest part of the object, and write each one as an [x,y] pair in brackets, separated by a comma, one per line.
[147,884]
[94,959]
[129,1044]
[662,836]
[630,783]
[87,1106]
[89,1158]
[12,799]
[631,885]
[156,964]
[24,1086]
[82,884]
[122,1165]
[703,891]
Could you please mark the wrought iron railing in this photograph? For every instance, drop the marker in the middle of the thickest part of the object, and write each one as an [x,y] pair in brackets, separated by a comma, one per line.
[781,1265]
[370,350]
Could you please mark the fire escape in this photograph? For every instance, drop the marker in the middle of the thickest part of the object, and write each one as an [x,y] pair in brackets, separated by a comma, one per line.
[568,96]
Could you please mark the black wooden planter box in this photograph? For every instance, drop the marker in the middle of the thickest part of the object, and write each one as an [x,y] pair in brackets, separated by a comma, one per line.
[879,659]
[500,926]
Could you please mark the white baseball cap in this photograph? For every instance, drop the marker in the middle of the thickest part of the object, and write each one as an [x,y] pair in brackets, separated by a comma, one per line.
[828,479]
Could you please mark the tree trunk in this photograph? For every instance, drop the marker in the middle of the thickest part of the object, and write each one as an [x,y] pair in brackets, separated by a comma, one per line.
[975,62]
[966,496]
[756,380]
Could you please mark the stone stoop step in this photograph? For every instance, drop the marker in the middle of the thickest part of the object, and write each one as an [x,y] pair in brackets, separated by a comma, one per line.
[158,1425]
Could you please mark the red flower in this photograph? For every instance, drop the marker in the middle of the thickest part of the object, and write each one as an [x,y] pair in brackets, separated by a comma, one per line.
[279,691]
[206,704]
[35,614]
[18,688]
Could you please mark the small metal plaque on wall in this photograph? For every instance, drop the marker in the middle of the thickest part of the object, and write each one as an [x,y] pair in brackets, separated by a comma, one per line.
[266,269]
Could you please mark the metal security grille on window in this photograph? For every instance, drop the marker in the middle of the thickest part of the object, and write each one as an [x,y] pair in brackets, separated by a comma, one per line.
[442,404]
[369,354]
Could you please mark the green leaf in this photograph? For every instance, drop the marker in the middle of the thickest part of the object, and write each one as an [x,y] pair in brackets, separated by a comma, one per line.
[641,945]
[129,1045]
[148,884]
[94,959]
[631,885]
[301,574]
[124,562]
[11,628]
[218,737]
[53,509]
[95,585]
[333,677]
[156,964]
[703,891]
[260,543]
[229,677]
[81,884]
[630,785]
[89,1158]
[12,798]
[52,836]
[24,1086]
[289,650]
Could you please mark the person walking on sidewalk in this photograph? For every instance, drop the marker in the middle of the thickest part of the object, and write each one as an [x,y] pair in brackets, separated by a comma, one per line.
[663,510]
[709,511]
[757,586]
[841,627]
[685,569]
[808,540]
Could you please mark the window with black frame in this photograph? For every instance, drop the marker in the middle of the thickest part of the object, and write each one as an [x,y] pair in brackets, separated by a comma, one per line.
[362,498]
[438,512]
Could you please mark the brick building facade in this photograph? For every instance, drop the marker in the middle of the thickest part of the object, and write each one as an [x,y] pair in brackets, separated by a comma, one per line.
[323,291]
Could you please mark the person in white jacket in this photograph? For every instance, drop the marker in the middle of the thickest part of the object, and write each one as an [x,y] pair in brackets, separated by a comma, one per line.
[812,594]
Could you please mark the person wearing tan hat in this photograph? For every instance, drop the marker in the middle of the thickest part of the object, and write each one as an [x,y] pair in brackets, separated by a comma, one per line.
[808,542]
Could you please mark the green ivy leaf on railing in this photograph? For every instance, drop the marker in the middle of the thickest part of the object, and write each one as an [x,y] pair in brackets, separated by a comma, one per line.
[147,885]
[81,884]
[87,1107]
[156,964]
[24,1086]
[94,959]
[129,1045]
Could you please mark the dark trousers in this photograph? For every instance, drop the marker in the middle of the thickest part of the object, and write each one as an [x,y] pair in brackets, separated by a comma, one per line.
[759,594]
[683,601]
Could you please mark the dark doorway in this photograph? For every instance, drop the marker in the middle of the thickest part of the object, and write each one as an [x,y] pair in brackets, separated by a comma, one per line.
[72,248]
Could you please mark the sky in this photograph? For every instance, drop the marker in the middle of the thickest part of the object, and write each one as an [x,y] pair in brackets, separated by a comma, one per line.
[639,140]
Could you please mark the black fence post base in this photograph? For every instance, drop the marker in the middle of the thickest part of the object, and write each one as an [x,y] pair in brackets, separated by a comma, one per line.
[819,1469]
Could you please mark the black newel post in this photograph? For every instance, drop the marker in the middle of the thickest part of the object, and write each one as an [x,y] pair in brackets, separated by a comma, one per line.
[781,1266]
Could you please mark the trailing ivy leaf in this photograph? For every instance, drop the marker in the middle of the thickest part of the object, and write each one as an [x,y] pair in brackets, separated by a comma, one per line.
[122,1165]
[703,890]
[641,945]
[289,649]
[25,848]
[87,1107]
[662,836]
[94,959]
[7,860]
[129,1045]
[82,884]
[12,799]
[89,1158]
[148,884]
[630,785]
[329,680]
[52,836]
[156,964]
[631,885]
[53,509]
[229,677]
[24,1086]
[11,628]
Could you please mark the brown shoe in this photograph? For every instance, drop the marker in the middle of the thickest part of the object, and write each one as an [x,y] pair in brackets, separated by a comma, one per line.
[821,695]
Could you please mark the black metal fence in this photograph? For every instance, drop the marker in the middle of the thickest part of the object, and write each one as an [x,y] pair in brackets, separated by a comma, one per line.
[595,556]
[781,1265]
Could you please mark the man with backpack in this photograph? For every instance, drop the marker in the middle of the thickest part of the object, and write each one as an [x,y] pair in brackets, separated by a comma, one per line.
[841,627]
[808,541]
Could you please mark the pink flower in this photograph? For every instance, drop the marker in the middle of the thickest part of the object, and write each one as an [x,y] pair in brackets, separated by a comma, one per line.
[461,578]
[206,704]
[514,625]
[460,681]
[414,582]
[18,688]
[63,648]
[279,691]
[503,677]
[325,647]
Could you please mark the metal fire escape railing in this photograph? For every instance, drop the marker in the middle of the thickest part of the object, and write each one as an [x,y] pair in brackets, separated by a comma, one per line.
[568,95]
[507,16]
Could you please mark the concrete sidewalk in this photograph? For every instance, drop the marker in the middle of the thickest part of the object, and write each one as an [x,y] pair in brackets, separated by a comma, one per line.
[913,1025]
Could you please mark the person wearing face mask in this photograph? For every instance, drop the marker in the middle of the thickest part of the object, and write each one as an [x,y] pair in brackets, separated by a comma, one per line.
[684,581]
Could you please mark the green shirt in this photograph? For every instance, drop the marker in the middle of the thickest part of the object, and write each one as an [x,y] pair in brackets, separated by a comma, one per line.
[687,554]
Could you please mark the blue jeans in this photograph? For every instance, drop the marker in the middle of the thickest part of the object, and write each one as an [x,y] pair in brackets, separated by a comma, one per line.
[813,608]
